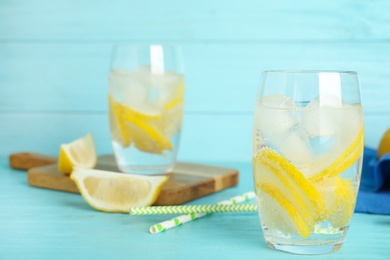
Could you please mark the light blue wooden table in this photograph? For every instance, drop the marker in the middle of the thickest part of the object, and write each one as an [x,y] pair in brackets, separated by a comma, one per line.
[54,58]
[42,224]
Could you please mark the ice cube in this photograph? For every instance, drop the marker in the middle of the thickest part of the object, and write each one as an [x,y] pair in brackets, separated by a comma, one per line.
[124,85]
[277,101]
[322,117]
[274,116]
[295,147]
[170,84]
[129,88]
[144,90]
[351,122]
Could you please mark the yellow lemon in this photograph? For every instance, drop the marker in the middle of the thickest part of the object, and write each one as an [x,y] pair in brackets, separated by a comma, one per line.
[289,193]
[81,152]
[119,131]
[339,196]
[344,161]
[146,137]
[117,192]
[278,212]
[173,116]
[144,130]
[384,145]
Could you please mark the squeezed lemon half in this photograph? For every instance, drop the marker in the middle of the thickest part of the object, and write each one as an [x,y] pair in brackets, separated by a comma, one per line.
[116,192]
[81,152]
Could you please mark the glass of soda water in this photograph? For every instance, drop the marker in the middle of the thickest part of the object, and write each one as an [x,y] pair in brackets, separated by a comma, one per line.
[146,107]
[307,158]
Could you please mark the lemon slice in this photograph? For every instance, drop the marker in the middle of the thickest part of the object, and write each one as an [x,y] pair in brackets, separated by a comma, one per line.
[119,130]
[144,130]
[119,113]
[294,199]
[307,190]
[174,102]
[146,137]
[267,173]
[279,212]
[344,161]
[339,196]
[173,116]
[146,114]
[117,192]
[80,152]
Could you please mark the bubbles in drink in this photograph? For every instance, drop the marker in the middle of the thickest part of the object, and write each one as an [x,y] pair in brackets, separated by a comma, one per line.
[146,111]
[315,149]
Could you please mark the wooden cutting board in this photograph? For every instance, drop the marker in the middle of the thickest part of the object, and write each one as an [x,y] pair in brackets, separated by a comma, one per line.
[188,181]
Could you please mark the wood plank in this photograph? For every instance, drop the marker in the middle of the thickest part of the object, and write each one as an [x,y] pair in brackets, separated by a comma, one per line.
[50,178]
[27,160]
[218,20]
[187,181]
[220,77]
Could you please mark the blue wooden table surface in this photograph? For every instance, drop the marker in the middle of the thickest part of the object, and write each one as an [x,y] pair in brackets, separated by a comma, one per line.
[54,59]
[43,224]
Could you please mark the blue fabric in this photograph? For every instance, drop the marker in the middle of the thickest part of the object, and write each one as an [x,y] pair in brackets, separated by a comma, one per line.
[374,192]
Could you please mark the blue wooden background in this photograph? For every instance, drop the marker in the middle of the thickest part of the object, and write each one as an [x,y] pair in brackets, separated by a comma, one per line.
[54,59]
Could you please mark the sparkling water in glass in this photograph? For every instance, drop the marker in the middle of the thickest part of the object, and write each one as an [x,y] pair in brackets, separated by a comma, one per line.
[146,107]
[307,156]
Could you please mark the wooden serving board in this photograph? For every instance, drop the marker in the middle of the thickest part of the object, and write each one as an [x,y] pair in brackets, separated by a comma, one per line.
[188,181]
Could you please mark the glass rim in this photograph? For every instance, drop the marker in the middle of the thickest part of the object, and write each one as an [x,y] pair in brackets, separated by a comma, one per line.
[312,71]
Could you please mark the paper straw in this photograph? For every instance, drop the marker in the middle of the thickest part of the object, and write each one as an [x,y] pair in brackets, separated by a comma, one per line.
[217,208]
[177,221]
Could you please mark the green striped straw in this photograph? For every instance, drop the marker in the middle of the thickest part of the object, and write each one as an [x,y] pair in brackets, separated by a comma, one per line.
[192,209]
[179,220]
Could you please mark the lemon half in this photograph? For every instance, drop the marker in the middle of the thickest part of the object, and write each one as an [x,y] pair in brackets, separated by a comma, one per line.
[116,192]
[81,152]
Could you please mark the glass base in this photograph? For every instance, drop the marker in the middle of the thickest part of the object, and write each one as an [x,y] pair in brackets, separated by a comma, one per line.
[306,249]
[147,170]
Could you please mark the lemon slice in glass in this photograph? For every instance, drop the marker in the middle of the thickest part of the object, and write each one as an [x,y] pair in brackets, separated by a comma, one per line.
[146,137]
[279,212]
[280,166]
[119,131]
[143,129]
[339,196]
[116,192]
[344,161]
[173,116]
[81,152]
[288,192]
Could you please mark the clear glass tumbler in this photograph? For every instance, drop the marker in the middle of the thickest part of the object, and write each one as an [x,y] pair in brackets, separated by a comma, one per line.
[146,107]
[307,156]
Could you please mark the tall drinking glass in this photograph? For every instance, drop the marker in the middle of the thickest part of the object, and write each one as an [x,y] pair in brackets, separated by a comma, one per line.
[307,156]
[146,105]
